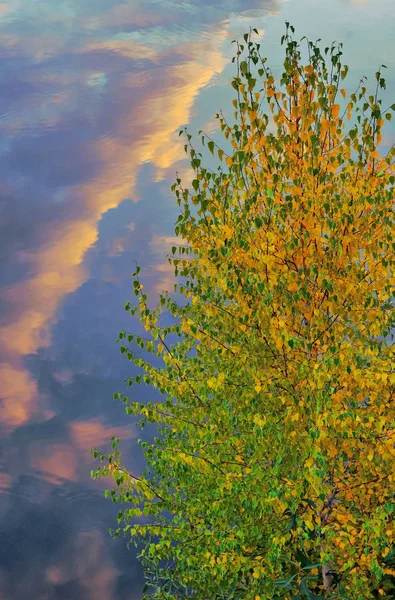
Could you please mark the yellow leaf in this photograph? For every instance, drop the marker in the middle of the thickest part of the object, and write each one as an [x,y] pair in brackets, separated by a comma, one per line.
[268,260]
[259,420]
[332,451]
[293,286]
[309,524]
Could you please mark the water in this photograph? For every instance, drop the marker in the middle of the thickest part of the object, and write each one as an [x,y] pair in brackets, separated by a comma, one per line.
[92,95]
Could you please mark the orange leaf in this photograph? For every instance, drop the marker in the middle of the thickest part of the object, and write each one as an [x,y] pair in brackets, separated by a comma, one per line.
[293,286]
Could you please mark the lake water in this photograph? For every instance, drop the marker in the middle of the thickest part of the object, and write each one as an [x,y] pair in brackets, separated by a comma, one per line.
[92,95]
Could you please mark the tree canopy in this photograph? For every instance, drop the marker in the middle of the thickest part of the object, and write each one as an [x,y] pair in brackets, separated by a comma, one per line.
[273,475]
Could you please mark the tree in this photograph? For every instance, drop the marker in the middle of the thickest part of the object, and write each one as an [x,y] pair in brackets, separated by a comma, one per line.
[273,476]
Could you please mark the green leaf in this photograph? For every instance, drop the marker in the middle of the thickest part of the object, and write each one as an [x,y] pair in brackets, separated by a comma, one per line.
[251,84]
[243,67]
[285,584]
[312,566]
[305,589]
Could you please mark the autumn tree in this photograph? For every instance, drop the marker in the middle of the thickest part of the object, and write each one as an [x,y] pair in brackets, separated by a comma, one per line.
[273,476]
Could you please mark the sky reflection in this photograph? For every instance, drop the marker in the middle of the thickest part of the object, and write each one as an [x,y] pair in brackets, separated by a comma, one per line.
[92,95]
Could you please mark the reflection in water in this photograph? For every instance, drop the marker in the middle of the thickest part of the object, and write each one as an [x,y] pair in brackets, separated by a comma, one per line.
[143,122]
[56,461]
[91,93]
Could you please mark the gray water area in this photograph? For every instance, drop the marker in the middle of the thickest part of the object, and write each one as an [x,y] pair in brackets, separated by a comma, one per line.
[92,96]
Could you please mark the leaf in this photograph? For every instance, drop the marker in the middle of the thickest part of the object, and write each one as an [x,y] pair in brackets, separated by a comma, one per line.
[243,67]
[285,584]
[305,589]
[308,567]
[293,286]
[301,557]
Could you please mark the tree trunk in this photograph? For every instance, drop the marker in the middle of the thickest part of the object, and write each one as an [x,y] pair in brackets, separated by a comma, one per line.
[328,569]
[327,575]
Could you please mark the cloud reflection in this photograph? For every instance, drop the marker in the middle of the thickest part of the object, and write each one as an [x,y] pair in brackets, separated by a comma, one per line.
[85,434]
[142,129]
[55,461]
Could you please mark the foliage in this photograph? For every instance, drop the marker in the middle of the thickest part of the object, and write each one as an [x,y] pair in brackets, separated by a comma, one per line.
[273,476]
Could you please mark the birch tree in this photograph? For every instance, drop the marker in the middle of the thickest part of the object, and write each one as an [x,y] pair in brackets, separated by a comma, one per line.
[273,475]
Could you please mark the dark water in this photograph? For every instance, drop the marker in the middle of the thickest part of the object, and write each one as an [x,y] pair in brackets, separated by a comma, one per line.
[92,95]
